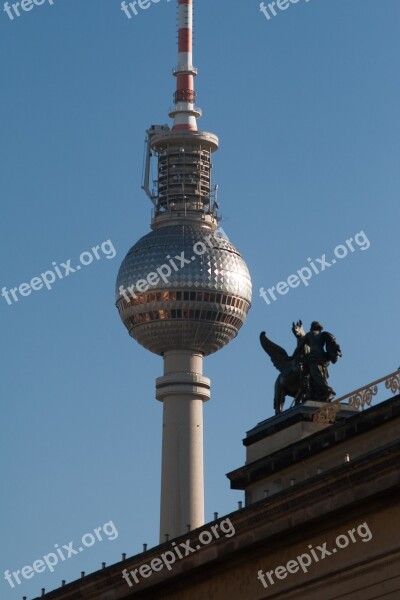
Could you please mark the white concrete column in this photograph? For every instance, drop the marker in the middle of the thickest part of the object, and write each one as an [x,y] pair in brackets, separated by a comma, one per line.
[182,389]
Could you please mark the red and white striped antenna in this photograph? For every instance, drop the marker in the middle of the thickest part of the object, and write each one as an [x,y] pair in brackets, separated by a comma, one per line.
[185,113]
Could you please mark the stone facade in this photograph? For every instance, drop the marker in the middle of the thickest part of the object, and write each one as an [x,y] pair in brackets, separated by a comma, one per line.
[338,504]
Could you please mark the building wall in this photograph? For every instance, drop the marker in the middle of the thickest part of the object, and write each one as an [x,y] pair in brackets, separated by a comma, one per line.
[332,456]
[362,571]
[356,499]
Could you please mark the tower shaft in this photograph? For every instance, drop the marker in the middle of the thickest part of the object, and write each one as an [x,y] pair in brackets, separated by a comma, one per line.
[182,389]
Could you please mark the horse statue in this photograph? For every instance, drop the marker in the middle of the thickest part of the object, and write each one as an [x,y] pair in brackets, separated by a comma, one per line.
[291,380]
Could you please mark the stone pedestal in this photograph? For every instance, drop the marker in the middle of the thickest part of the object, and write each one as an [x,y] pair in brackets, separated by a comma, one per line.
[290,448]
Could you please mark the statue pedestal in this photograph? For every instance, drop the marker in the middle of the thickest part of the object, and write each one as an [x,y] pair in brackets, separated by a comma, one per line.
[290,426]
[291,447]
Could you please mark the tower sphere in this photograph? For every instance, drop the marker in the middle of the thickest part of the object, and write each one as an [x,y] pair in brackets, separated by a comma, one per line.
[189,289]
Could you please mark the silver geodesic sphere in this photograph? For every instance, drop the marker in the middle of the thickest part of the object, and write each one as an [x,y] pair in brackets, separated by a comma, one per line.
[202,295]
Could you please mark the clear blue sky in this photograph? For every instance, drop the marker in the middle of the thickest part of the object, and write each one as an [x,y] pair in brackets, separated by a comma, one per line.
[306,106]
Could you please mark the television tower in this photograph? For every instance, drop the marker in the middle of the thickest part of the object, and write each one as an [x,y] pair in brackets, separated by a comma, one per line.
[183,290]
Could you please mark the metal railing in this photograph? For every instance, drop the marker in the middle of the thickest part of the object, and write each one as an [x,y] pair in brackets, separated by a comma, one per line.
[360,398]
